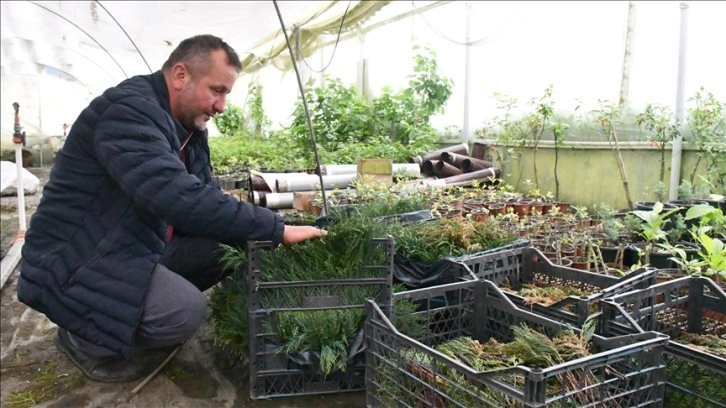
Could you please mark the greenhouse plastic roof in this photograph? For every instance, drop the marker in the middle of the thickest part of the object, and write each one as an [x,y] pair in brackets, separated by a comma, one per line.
[94,44]
[53,63]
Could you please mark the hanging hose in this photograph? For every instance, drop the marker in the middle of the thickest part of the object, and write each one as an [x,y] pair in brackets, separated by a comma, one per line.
[305,108]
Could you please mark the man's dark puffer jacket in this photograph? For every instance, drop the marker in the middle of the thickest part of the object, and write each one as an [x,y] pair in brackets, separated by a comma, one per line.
[100,227]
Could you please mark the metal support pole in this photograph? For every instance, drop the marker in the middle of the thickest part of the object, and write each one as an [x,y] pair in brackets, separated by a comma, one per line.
[20,187]
[321,74]
[467,67]
[362,71]
[677,145]
[19,140]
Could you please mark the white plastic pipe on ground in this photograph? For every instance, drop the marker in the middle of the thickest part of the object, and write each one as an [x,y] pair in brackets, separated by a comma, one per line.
[278,200]
[312,182]
[399,169]
[12,258]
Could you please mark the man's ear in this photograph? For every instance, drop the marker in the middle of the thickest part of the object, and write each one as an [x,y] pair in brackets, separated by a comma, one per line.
[179,76]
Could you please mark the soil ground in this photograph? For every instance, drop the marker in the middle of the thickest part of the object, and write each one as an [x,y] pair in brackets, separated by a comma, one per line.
[34,373]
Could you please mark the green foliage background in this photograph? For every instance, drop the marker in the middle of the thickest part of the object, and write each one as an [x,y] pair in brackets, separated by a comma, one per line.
[347,127]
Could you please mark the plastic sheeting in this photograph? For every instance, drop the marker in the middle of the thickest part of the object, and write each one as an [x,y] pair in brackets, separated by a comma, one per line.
[517,48]
[9,182]
[57,55]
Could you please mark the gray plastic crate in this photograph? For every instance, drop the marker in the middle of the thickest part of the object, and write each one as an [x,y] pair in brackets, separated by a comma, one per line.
[527,265]
[402,371]
[275,374]
[694,304]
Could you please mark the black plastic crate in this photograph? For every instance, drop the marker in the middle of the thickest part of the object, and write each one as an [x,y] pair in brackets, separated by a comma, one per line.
[403,371]
[415,275]
[277,374]
[527,265]
[692,304]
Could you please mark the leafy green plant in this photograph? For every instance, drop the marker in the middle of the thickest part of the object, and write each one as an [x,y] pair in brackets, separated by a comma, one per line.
[237,153]
[497,356]
[338,113]
[652,227]
[427,242]
[659,190]
[395,121]
[430,87]
[559,133]
[511,132]
[611,227]
[713,256]
[541,117]
[707,122]
[580,211]
[712,251]
[662,127]
[231,121]
[685,191]
[710,219]
[260,126]
[228,305]
[344,253]
[606,116]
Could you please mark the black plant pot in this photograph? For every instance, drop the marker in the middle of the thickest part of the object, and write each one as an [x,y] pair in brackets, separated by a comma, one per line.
[630,255]
[685,205]
[717,204]
[648,205]
[661,260]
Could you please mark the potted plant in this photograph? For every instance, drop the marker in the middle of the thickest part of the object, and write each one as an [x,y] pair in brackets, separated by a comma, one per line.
[543,113]
[559,132]
[707,123]
[651,228]
[582,216]
[510,132]
[662,127]
[606,116]
[710,257]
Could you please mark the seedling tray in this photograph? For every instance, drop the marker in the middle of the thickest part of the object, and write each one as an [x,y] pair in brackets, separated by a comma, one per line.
[405,371]
[692,304]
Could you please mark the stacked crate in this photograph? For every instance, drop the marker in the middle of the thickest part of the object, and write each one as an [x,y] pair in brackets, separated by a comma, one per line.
[521,265]
[276,374]
[692,304]
[403,371]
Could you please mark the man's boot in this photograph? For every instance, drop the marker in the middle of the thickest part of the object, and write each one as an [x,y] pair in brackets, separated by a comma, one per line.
[109,369]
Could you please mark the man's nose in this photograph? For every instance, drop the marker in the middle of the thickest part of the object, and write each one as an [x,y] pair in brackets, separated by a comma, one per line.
[219,104]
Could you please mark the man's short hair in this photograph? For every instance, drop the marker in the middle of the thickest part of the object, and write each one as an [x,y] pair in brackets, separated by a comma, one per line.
[194,53]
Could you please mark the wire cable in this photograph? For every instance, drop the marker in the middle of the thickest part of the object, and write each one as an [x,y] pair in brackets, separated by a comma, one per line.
[335,47]
[444,36]
[127,36]
[84,32]
[305,108]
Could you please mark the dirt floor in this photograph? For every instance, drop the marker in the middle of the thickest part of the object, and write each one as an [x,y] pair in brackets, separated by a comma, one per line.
[34,373]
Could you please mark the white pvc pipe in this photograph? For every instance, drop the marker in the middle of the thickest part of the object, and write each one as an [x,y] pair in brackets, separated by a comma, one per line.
[334,169]
[312,182]
[467,69]
[407,169]
[677,145]
[10,261]
[399,169]
[20,187]
[278,200]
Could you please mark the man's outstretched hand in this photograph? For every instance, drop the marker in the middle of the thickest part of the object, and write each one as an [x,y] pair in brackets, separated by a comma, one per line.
[294,234]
